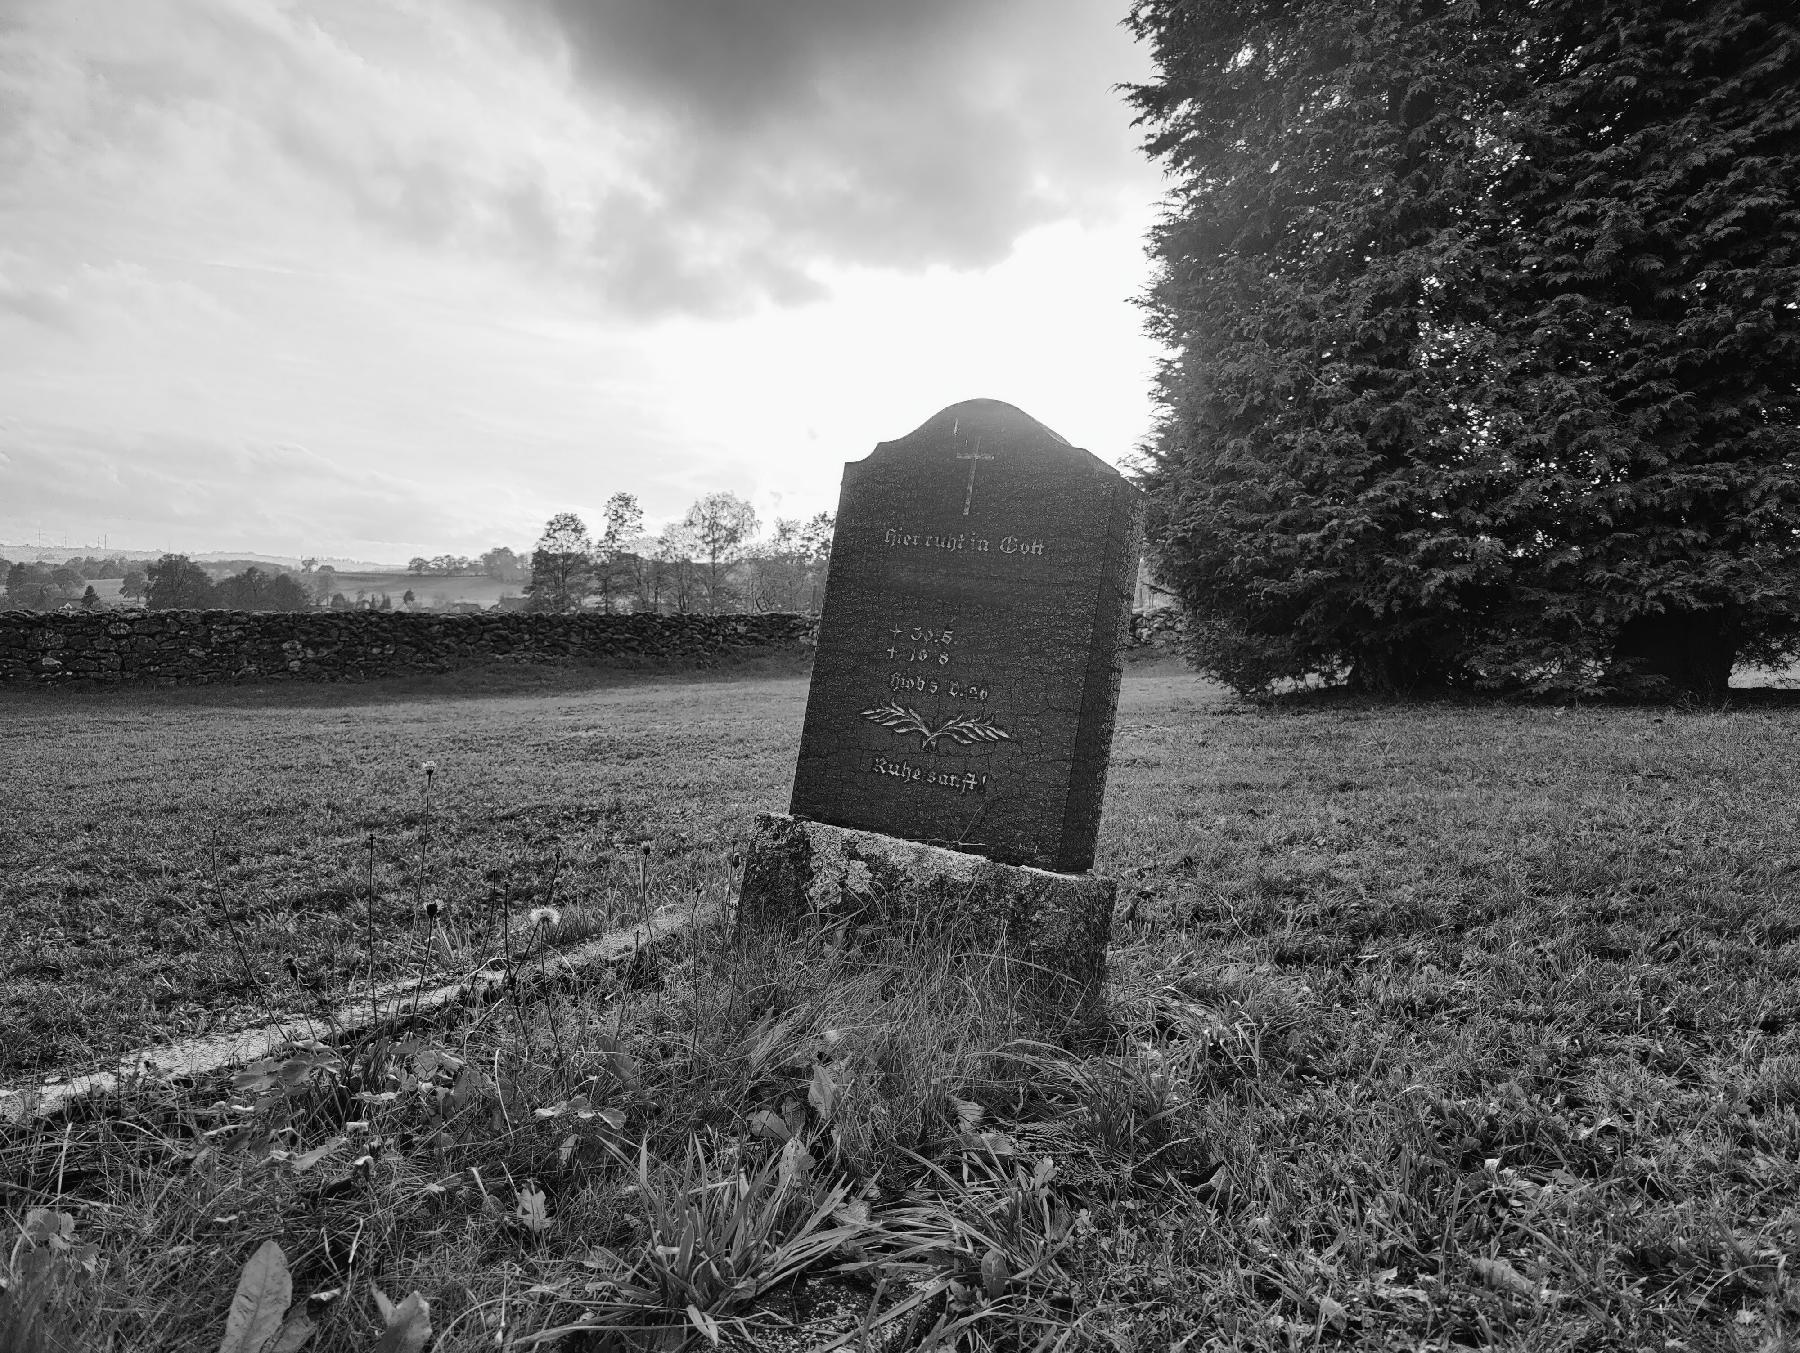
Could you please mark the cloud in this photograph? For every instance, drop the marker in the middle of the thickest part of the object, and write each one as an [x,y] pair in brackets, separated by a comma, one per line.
[207,494]
[771,138]
[48,306]
[91,302]
[223,116]
[701,157]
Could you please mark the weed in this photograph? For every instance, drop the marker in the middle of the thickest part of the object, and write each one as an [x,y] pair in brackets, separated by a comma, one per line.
[984,1254]
[715,1240]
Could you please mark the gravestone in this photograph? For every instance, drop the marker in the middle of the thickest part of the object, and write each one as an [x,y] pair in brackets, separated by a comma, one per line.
[963,693]
[968,655]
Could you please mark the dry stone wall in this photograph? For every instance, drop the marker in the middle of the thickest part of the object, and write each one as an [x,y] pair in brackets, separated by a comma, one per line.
[1160,629]
[170,648]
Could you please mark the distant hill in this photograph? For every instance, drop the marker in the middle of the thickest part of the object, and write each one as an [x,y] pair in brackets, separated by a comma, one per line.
[56,554]
[32,554]
[292,561]
[245,560]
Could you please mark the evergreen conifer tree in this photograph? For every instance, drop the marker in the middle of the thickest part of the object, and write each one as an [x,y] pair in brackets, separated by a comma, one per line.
[1485,322]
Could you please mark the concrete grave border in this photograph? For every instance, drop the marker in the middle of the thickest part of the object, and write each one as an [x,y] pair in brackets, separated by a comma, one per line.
[367,1013]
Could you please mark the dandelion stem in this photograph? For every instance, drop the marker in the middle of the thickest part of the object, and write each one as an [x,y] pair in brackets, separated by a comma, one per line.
[424,837]
[430,769]
[374,1005]
[237,941]
[424,962]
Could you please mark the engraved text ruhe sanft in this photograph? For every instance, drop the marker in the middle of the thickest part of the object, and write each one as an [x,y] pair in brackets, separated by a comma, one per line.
[968,658]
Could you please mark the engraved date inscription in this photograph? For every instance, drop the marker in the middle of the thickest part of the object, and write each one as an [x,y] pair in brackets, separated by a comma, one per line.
[920,644]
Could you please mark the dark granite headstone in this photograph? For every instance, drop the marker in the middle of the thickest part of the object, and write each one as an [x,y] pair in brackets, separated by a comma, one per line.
[968,657]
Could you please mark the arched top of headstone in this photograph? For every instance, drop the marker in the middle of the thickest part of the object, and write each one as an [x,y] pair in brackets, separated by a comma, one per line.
[985,414]
[988,424]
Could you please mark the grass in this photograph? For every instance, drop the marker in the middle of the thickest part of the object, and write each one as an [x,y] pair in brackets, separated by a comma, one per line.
[1429,1027]
[171,851]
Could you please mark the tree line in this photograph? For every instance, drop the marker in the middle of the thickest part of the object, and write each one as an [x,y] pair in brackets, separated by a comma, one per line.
[711,560]
[44,586]
[1484,323]
[177,582]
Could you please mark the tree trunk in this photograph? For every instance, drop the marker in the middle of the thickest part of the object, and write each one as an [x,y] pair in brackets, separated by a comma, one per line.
[1403,668]
[1677,652]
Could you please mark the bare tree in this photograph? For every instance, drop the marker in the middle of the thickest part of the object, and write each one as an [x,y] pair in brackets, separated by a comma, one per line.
[776,569]
[721,523]
[815,544]
[624,522]
[675,548]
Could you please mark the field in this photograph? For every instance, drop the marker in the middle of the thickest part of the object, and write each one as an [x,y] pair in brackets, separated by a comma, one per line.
[181,847]
[1429,1026]
[429,589]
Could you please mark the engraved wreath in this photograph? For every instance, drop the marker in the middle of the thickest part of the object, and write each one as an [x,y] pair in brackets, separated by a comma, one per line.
[966,729]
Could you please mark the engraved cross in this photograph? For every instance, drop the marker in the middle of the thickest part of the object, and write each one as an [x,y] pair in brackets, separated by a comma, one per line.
[973,457]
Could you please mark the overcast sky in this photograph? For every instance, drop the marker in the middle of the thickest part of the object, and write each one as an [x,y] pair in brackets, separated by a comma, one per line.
[375,278]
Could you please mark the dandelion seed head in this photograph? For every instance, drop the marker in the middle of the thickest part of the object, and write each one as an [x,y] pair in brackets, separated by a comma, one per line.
[544,916]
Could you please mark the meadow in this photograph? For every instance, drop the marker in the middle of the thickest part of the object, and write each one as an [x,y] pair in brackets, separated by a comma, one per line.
[1429,1026]
[428,589]
[175,850]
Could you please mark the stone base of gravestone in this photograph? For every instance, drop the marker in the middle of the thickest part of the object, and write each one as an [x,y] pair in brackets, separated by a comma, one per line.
[1044,933]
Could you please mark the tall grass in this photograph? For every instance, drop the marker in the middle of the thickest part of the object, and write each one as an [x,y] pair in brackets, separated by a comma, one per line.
[819,1142]
[674,1156]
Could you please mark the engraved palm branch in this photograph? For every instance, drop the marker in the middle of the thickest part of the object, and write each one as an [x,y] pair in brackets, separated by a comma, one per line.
[964,728]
